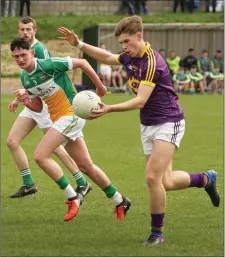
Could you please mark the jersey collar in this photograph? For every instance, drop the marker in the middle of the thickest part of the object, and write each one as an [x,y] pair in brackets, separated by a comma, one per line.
[35,41]
[147,46]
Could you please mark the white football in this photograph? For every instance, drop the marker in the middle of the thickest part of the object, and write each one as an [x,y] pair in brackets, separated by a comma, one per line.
[84,102]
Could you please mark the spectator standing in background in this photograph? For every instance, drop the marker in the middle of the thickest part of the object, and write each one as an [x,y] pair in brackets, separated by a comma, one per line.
[205,65]
[218,60]
[10,8]
[176,3]
[207,5]
[189,60]
[140,7]
[22,2]
[124,5]
[173,62]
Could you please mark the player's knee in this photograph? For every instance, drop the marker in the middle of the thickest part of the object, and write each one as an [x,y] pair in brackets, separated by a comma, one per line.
[151,180]
[38,157]
[86,167]
[12,143]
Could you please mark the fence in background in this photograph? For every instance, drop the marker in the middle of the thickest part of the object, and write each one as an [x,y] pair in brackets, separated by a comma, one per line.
[178,37]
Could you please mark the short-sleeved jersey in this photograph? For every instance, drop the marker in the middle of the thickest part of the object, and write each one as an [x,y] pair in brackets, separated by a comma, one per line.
[40,51]
[50,82]
[195,76]
[151,70]
[214,75]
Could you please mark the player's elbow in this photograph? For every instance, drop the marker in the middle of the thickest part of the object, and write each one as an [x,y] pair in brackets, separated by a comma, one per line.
[140,103]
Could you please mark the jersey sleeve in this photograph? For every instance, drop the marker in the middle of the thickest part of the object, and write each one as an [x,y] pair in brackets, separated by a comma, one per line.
[60,65]
[148,70]
[122,58]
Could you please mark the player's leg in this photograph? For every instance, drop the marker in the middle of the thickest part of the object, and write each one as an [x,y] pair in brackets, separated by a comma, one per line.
[20,129]
[62,154]
[214,85]
[201,86]
[162,154]
[79,152]
[51,140]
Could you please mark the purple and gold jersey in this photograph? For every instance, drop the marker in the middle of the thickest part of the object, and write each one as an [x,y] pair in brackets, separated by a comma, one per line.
[152,70]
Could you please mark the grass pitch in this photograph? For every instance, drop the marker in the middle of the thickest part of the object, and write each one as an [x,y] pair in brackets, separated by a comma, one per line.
[34,226]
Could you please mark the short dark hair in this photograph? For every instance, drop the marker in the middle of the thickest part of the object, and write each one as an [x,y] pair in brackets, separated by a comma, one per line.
[20,42]
[190,50]
[204,51]
[218,51]
[161,50]
[193,67]
[28,19]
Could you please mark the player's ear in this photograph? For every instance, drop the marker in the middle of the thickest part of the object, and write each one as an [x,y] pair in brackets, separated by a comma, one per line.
[32,52]
[139,35]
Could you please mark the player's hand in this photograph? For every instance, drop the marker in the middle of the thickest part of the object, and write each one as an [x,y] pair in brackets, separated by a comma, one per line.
[101,91]
[21,95]
[69,35]
[98,113]
[12,107]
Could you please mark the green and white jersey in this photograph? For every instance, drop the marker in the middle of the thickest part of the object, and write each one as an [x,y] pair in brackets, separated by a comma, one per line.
[50,82]
[195,76]
[214,75]
[40,51]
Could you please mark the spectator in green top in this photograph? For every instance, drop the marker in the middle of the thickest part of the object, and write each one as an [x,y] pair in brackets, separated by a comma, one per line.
[196,78]
[216,80]
[218,60]
[181,81]
[173,62]
[205,65]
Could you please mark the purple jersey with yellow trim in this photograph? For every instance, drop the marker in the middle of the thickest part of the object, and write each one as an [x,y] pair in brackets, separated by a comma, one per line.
[151,70]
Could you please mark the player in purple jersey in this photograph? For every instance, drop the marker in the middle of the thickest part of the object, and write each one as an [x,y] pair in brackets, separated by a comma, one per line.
[162,118]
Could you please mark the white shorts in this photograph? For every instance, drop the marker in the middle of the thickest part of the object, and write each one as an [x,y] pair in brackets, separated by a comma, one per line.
[70,126]
[42,118]
[105,70]
[171,132]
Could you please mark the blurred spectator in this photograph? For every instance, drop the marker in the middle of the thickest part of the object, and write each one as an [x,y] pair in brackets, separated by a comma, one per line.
[176,3]
[205,65]
[207,5]
[105,71]
[10,8]
[218,60]
[196,83]
[140,7]
[192,5]
[173,62]
[189,60]
[22,2]
[124,5]
[117,77]
[162,53]
[216,80]
[181,81]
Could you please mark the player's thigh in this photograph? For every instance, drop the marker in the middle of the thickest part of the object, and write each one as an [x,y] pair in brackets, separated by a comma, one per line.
[161,157]
[21,128]
[51,140]
[79,152]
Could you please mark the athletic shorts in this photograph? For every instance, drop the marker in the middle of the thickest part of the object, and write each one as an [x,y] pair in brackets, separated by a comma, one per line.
[70,126]
[171,132]
[42,118]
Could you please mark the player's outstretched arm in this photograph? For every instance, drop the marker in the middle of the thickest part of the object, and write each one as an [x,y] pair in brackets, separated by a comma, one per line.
[89,71]
[138,102]
[95,52]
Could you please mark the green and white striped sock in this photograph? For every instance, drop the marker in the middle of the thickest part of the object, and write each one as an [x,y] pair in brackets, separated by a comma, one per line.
[80,179]
[27,177]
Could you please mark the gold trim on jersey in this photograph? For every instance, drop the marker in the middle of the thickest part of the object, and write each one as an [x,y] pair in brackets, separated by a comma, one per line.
[147,83]
[117,59]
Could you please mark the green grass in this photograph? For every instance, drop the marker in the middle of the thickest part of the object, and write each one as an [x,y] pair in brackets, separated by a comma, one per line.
[34,226]
[47,25]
